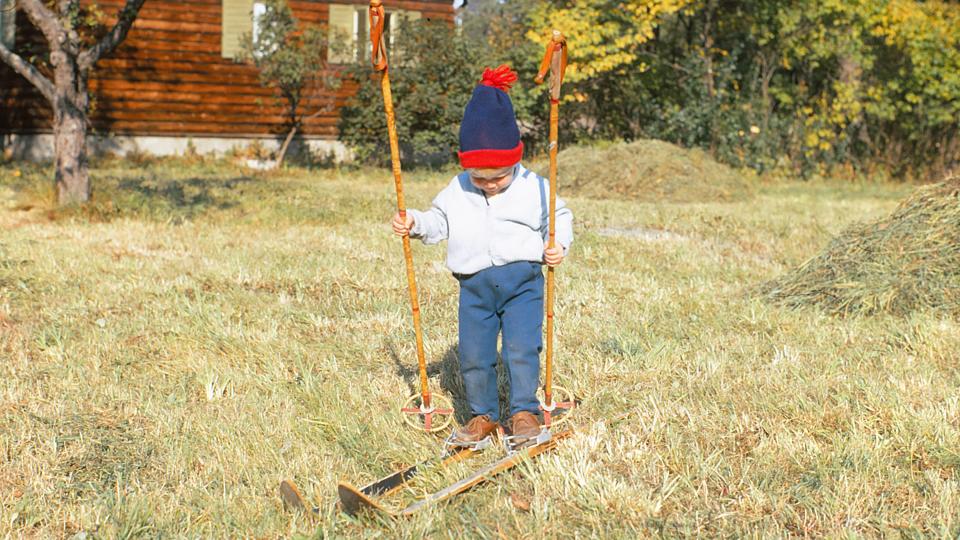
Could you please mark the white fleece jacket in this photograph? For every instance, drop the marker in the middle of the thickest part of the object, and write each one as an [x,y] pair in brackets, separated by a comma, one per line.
[482,232]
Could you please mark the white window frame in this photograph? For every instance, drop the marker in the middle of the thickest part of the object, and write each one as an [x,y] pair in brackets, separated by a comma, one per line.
[8,23]
[259,10]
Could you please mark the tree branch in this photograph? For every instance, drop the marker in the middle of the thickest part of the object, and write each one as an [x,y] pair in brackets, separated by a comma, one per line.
[29,72]
[45,20]
[117,34]
[69,9]
[65,5]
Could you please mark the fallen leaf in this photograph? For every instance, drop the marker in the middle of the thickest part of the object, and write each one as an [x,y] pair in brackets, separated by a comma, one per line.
[519,502]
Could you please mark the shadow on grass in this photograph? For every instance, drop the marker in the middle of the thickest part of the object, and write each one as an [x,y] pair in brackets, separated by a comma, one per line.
[447,368]
[451,381]
[164,190]
[190,194]
[152,198]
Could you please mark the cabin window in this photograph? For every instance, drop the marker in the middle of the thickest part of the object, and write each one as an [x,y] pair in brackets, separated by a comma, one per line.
[235,22]
[8,23]
[349,31]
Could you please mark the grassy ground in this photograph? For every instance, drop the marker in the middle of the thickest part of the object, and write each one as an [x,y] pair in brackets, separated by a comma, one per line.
[202,333]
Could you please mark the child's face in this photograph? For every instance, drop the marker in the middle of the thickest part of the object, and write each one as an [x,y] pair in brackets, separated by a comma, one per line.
[491,181]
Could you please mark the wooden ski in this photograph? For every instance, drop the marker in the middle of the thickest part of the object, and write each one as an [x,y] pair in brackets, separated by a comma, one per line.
[293,500]
[354,500]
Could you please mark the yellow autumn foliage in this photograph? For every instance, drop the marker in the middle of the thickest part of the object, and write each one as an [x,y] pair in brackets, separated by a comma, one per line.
[605,35]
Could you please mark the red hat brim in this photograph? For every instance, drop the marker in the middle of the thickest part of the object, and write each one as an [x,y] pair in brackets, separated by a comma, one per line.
[490,159]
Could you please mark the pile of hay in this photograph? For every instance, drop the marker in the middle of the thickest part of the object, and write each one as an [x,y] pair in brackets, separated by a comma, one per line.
[907,261]
[647,171]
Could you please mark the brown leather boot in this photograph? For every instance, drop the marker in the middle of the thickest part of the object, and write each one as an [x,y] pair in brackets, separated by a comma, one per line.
[476,430]
[524,425]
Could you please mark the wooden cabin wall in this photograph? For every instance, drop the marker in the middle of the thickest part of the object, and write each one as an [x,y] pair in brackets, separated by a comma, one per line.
[169,78]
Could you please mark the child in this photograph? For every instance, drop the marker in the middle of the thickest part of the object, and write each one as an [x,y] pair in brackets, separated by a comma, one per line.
[494,217]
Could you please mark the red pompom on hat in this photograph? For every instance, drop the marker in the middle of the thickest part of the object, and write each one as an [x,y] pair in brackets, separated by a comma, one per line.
[489,136]
[501,78]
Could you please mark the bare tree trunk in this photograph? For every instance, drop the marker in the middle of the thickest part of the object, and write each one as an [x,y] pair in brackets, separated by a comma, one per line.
[708,74]
[768,68]
[707,36]
[70,143]
[286,145]
[297,124]
[70,110]
[951,154]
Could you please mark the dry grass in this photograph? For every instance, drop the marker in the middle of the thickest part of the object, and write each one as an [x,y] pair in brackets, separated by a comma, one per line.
[904,262]
[648,171]
[167,361]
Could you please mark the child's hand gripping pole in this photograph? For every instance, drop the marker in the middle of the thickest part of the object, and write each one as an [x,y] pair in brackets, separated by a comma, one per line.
[427,407]
[554,62]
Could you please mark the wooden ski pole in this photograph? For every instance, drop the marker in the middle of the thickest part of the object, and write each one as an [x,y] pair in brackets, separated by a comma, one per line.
[554,62]
[379,59]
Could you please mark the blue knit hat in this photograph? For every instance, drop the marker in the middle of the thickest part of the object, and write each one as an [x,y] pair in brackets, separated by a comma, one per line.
[489,137]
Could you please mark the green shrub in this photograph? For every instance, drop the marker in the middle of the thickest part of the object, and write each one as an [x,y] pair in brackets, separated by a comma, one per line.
[432,75]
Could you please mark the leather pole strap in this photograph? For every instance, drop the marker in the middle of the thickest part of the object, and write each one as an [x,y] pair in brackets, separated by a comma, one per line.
[377,20]
[556,64]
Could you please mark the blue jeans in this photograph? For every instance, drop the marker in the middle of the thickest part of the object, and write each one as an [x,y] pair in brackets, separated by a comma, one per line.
[507,298]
